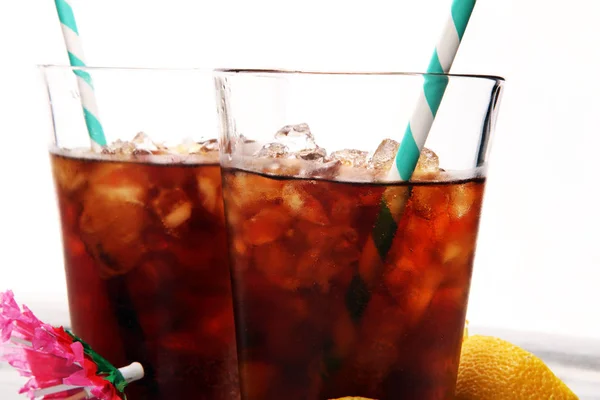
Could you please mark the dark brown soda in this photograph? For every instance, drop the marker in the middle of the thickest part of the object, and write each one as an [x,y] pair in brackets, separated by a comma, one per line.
[314,320]
[147,272]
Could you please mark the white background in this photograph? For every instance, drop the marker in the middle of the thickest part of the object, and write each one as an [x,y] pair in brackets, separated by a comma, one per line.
[537,268]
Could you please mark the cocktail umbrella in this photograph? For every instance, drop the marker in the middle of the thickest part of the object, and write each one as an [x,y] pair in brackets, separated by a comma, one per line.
[59,365]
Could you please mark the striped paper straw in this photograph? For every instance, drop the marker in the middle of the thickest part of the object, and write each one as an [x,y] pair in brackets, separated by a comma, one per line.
[84,80]
[433,90]
[434,87]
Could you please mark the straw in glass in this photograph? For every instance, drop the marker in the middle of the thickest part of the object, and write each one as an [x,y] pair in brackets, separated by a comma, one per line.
[84,80]
[434,87]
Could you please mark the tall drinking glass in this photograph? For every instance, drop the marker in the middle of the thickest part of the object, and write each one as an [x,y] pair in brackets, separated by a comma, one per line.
[347,282]
[143,227]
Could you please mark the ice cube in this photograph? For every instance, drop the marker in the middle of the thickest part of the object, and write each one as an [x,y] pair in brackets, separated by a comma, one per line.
[273,150]
[462,200]
[119,182]
[142,141]
[119,147]
[209,146]
[210,194]
[351,174]
[381,161]
[141,152]
[312,154]
[295,131]
[428,164]
[111,230]
[113,217]
[140,145]
[296,137]
[351,157]
[108,150]
[323,171]
[187,146]
[240,248]
[68,174]
[304,205]
[287,167]
[456,251]
[173,207]
[248,193]
[162,148]
[266,226]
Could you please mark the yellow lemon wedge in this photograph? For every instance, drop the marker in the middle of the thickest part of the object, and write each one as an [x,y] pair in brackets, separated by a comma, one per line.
[493,369]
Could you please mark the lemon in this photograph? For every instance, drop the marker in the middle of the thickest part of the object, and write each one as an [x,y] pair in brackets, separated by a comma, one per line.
[493,369]
[352,398]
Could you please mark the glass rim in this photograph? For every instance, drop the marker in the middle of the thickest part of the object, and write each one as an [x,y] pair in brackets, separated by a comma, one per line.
[287,72]
[66,67]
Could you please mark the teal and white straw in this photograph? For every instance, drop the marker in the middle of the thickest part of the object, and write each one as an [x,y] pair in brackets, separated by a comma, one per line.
[84,80]
[392,206]
[433,90]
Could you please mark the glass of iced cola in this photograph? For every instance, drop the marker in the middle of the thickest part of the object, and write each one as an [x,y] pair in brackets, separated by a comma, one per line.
[347,282]
[143,228]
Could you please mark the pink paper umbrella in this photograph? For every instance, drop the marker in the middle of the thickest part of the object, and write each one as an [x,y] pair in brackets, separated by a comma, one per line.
[59,365]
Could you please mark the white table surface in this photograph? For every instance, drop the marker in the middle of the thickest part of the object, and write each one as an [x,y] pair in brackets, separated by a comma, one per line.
[576,361]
